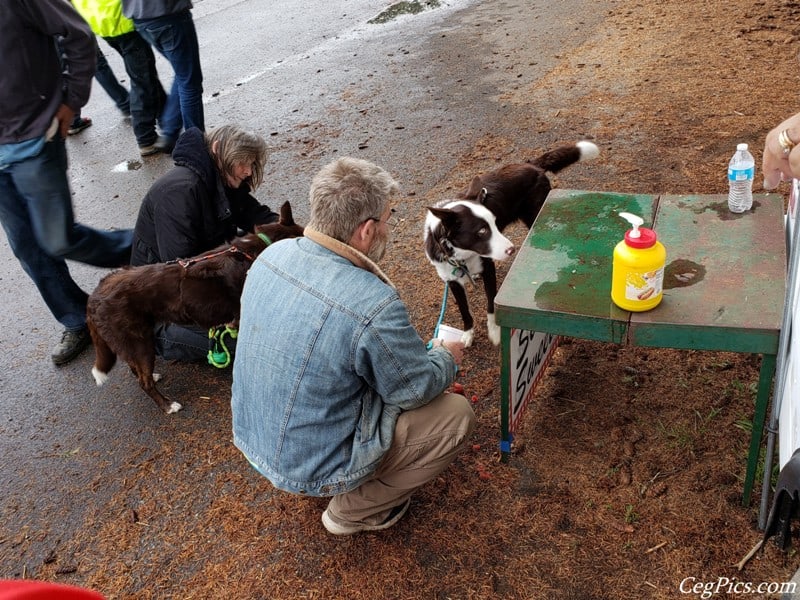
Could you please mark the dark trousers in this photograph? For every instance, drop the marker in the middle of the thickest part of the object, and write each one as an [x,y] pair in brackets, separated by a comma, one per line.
[147,93]
[188,344]
[108,81]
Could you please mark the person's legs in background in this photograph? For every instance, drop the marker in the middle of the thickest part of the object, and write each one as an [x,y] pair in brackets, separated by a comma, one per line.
[108,81]
[185,58]
[42,180]
[175,37]
[65,299]
[147,95]
[78,124]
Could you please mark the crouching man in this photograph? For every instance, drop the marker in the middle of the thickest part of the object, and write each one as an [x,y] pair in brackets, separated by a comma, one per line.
[334,392]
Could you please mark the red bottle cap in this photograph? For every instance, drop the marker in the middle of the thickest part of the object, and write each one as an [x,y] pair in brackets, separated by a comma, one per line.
[647,239]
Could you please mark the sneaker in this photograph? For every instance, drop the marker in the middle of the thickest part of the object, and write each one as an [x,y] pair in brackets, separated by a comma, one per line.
[336,526]
[149,150]
[71,345]
[165,144]
[79,125]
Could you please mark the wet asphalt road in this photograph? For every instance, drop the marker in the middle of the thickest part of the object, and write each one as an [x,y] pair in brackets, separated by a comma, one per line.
[317,82]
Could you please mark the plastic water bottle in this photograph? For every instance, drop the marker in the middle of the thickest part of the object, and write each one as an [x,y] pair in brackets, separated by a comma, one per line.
[741,172]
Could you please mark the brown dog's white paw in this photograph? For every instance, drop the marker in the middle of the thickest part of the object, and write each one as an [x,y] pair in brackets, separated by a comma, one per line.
[99,377]
[174,407]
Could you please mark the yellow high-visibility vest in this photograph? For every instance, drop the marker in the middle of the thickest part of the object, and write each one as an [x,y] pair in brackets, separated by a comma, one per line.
[104,17]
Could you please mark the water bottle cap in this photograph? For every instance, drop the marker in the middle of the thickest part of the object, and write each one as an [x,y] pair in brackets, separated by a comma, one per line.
[741,147]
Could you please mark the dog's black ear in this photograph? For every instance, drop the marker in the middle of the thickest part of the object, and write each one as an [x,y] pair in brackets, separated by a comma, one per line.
[441,213]
[445,215]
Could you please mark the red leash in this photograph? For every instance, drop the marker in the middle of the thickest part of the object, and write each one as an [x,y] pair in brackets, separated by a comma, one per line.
[187,262]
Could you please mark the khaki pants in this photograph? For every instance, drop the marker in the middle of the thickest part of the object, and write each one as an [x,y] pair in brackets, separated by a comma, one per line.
[425,441]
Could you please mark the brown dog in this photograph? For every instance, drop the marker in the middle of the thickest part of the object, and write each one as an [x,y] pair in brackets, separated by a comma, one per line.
[204,291]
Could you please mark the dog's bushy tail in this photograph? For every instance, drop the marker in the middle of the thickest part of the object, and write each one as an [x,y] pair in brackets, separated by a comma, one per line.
[564,156]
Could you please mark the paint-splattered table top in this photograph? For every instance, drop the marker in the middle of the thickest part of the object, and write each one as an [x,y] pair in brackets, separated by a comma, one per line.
[724,281]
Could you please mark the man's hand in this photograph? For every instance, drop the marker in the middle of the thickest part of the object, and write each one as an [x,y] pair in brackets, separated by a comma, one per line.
[454,348]
[64,115]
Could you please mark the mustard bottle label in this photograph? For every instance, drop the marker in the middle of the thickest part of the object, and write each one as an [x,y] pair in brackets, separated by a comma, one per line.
[644,285]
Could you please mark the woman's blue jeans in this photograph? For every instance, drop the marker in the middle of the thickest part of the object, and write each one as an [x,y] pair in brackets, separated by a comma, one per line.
[36,214]
[175,37]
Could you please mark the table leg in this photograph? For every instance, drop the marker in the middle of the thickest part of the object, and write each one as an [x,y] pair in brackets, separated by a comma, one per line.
[768,362]
[505,393]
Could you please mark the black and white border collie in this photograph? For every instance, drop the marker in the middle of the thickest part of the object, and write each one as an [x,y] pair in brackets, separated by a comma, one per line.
[463,237]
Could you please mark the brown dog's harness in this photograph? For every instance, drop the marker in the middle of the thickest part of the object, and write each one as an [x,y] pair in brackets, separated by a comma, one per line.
[188,262]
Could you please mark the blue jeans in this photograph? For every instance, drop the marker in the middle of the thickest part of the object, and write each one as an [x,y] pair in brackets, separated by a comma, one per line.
[147,94]
[36,214]
[175,37]
[109,82]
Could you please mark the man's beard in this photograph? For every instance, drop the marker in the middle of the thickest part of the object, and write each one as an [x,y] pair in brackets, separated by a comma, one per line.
[378,248]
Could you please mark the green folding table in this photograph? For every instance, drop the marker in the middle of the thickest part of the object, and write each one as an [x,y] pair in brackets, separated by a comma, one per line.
[725,285]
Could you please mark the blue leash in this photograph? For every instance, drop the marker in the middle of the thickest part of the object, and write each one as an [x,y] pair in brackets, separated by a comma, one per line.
[439,322]
[441,313]
[441,316]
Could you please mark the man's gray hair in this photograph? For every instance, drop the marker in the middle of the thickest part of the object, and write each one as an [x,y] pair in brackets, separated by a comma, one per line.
[347,192]
[235,146]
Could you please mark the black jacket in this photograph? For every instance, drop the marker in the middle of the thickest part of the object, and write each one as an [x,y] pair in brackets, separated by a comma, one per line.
[189,211]
[32,85]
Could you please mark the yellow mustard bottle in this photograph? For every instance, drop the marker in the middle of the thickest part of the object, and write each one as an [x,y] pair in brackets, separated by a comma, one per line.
[637,280]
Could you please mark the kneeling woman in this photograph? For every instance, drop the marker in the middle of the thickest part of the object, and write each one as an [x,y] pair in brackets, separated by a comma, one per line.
[203,201]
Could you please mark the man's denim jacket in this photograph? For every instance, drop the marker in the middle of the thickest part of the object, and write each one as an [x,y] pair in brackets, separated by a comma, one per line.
[326,359]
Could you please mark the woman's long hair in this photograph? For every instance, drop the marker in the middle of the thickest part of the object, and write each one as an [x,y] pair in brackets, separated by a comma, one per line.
[235,146]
